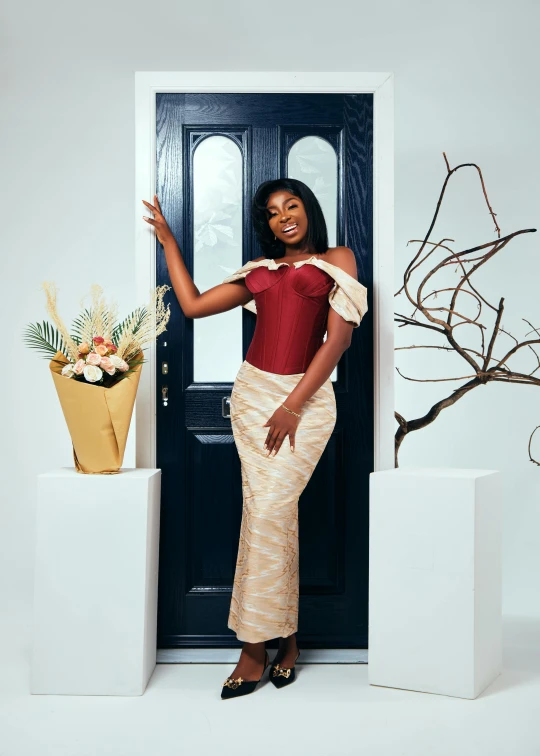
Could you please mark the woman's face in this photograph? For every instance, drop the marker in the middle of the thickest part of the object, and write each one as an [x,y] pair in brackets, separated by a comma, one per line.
[287,217]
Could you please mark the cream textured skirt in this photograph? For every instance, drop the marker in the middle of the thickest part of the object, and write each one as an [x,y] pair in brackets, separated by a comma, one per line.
[264,602]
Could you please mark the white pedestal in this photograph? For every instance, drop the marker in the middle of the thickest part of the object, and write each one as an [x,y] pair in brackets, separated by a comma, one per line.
[435,580]
[96,577]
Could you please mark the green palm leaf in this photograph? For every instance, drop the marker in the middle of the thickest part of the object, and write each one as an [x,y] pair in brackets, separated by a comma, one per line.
[79,324]
[45,339]
[139,314]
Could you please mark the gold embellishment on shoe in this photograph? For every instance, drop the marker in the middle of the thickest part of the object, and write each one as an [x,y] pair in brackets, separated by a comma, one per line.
[281,671]
[230,682]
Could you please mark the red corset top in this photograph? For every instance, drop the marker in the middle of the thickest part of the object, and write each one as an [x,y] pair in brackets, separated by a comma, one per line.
[292,311]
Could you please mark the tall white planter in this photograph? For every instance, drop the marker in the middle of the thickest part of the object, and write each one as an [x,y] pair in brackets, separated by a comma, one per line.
[96,579]
[435,580]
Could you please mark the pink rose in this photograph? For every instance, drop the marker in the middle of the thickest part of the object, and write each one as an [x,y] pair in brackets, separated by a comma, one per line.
[78,367]
[93,359]
[101,349]
[107,365]
[84,348]
[119,364]
[111,347]
[98,339]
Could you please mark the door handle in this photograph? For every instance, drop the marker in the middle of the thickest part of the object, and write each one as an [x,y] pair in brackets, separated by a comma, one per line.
[165,395]
[225,406]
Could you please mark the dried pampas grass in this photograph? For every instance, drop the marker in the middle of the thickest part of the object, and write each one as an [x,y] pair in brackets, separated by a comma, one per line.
[71,347]
[99,319]
[143,325]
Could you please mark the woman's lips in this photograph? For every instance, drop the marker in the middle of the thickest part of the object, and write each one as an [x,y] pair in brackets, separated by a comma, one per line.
[291,231]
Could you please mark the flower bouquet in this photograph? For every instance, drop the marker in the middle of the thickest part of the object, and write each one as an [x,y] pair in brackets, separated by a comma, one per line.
[96,368]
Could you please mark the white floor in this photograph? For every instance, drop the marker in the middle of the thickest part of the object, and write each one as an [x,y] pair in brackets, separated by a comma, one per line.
[330,710]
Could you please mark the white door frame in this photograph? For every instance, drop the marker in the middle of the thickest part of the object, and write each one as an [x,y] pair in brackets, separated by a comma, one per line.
[381,85]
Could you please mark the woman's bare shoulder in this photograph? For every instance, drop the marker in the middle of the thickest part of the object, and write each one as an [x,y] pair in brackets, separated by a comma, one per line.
[342,257]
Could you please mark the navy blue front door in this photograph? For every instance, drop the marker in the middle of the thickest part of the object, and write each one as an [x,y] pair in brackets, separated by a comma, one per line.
[201,483]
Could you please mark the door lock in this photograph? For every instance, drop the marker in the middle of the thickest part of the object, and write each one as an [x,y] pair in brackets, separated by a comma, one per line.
[165,395]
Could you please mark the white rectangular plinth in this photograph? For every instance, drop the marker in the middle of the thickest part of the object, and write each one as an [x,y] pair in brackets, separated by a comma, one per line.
[435,580]
[96,579]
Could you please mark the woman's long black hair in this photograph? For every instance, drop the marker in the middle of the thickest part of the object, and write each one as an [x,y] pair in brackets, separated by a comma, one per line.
[317,234]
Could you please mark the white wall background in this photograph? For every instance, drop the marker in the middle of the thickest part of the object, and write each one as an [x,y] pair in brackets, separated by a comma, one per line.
[466,80]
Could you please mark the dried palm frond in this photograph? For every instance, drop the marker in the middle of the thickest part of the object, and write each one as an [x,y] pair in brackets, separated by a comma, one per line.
[144,325]
[97,320]
[137,316]
[81,327]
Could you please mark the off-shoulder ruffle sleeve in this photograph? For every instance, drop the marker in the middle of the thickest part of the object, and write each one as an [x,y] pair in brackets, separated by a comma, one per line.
[348,297]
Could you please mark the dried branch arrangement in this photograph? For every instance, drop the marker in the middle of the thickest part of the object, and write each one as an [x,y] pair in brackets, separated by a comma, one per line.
[489,361]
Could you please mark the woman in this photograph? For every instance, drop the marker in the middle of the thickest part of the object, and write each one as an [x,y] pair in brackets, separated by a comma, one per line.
[299,290]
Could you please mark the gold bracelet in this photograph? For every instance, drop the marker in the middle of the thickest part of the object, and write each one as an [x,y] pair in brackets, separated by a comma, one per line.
[288,410]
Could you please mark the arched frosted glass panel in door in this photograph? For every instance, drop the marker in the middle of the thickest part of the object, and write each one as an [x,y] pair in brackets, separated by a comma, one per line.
[313,160]
[217,235]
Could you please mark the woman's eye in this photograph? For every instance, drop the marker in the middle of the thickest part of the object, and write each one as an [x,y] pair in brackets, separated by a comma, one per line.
[271,215]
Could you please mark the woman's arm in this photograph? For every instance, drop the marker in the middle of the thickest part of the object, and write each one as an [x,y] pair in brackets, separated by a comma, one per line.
[323,363]
[339,335]
[219,298]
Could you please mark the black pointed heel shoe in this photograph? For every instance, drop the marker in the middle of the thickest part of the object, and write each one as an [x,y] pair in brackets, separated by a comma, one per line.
[282,676]
[240,687]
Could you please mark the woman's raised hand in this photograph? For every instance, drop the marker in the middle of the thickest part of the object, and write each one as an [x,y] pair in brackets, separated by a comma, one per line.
[163,232]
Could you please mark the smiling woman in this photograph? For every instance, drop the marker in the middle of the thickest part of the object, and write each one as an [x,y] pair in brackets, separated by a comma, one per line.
[288,366]
[287,215]
[282,390]
[299,286]
[265,595]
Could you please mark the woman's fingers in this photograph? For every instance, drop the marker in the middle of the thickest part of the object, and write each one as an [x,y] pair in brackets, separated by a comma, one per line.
[158,218]
[271,438]
[275,442]
[270,445]
[151,207]
[278,441]
[268,437]
[161,228]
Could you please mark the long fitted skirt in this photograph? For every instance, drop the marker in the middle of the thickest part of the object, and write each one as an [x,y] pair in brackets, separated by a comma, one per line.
[264,602]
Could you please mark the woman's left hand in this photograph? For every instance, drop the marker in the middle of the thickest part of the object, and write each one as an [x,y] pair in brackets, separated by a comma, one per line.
[282,423]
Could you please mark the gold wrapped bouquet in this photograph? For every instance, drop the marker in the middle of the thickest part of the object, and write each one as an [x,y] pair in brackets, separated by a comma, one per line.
[96,368]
